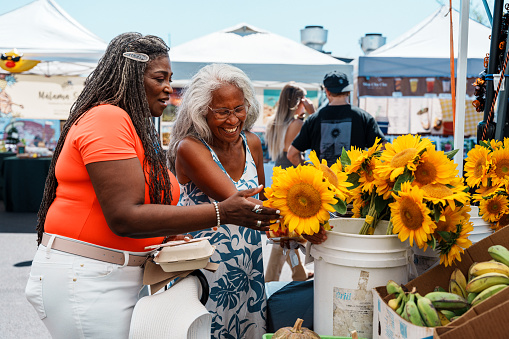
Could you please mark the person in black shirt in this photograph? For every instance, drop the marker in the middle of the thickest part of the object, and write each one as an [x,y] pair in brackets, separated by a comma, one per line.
[336,126]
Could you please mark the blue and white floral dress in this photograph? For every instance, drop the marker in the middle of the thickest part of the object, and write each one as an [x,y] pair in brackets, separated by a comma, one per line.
[237,298]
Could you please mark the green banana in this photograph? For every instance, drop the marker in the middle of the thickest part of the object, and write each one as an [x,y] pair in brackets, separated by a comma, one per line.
[401,308]
[393,287]
[459,277]
[446,300]
[448,314]
[412,312]
[499,253]
[460,311]
[480,283]
[488,293]
[488,267]
[471,296]
[428,312]
[456,288]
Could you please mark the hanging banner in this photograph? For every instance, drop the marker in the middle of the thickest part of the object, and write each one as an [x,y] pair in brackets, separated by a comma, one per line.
[38,97]
[408,86]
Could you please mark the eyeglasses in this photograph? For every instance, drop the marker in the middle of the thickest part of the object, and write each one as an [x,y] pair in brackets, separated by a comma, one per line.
[224,113]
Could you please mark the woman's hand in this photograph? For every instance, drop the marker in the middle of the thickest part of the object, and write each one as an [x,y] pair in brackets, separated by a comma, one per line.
[238,210]
[316,238]
[308,105]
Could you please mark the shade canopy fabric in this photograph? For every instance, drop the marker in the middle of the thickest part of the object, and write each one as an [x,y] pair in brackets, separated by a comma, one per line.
[42,30]
[424,50]
[264,56]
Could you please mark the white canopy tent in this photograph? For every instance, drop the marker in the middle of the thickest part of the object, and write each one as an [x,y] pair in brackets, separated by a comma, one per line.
[42,30]
[424,49]
[268,59]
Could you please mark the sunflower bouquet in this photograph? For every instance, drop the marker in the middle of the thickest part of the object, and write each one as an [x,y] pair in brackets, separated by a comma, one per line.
[487,172]
[430,204]
[305,195]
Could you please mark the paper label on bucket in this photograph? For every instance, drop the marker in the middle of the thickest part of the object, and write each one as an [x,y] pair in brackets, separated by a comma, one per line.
[352,310]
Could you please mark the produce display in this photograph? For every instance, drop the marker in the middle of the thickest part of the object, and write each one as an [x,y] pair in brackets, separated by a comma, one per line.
[442,306]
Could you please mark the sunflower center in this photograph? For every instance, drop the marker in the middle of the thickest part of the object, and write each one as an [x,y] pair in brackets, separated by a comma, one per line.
[478,168]
[502,168]
[494,206]
[411,214]
[330,175]
[438,191]
[304,200]
[425,173]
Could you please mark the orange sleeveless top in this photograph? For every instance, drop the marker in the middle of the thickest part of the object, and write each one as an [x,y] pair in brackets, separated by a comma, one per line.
[104,133]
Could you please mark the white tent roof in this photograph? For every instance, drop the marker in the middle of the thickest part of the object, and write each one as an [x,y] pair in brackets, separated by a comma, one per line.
[42,30]
[424,49]
[264,56]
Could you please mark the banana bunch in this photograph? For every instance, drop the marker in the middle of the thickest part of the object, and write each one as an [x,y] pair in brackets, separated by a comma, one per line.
[488,277]
[413,307]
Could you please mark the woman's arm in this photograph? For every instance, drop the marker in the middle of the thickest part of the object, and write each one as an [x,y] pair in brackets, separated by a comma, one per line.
[120,189]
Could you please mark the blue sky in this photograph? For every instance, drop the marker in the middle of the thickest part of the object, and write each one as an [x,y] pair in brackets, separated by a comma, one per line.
[181,21]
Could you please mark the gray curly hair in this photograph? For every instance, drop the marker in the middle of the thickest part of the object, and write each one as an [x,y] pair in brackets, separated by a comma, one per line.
[191,114]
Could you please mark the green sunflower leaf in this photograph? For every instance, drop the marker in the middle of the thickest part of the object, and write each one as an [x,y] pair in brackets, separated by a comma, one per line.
[445,235]
[404,177]
[345,159]
[340,207]
[452,153]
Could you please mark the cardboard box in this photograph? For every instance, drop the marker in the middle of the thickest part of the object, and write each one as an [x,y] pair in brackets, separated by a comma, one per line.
[388,324]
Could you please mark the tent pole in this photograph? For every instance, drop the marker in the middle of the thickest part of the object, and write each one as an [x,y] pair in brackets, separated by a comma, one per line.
[459,126]
[488,13]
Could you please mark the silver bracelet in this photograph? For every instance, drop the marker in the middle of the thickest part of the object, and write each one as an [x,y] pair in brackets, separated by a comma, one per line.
[217,214]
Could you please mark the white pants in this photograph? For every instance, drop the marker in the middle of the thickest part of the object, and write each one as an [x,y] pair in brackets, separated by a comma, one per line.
[77,297]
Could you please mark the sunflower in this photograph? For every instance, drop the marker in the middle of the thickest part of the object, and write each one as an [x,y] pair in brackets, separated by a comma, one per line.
[434,167]
[477,164]
[452,251]
[334,176]
[410,216]
[493,208]
[500,173]
[356,159]
[486,192]
[447,194]
[367,178]
[303,198]
[357,206]
[401,154]
[448,221]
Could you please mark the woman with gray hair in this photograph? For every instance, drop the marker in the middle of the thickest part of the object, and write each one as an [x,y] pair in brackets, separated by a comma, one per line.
[214,155]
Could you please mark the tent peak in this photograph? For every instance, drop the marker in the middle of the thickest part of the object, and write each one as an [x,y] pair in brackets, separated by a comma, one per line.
[244,29]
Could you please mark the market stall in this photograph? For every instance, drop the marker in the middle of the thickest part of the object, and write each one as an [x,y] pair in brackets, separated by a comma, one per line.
[408,81]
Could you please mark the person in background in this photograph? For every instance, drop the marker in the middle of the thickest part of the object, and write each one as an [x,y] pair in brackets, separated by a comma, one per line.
[283,127]
[336,126]
[214,155]
[109,194]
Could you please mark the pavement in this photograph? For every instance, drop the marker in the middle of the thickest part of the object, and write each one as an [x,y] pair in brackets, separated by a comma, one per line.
[18,319]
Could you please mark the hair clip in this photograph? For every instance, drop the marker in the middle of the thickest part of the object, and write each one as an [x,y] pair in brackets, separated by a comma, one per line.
[136,56]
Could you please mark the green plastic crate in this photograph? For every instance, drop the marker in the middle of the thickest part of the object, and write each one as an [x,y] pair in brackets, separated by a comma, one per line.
[269,336]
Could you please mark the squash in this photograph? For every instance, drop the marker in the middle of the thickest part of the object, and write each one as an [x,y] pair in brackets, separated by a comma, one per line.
[295,332]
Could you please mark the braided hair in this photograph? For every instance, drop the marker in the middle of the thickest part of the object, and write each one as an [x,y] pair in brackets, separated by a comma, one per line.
[118,81]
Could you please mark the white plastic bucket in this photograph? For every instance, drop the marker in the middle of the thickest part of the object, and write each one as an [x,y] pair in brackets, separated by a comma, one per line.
[347,267]
[424,260]
[481,228]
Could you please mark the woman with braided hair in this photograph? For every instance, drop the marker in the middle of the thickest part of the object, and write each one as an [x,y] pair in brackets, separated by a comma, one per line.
[109,194]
